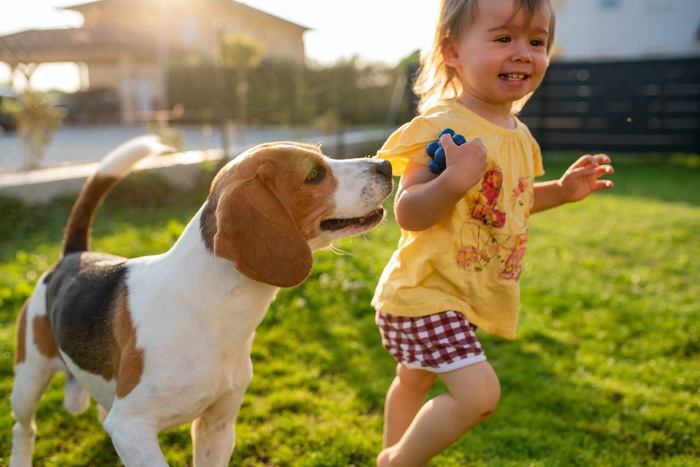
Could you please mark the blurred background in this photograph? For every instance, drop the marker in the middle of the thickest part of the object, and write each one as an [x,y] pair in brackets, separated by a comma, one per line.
[227,74]
[221,73]
[606,367]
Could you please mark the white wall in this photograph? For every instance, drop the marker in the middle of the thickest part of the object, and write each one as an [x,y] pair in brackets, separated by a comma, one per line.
[627,29]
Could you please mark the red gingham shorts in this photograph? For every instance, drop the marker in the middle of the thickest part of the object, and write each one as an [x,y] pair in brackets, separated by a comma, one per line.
[439,343]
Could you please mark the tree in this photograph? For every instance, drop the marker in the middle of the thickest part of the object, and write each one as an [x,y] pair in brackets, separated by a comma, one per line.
[241,53]
[36,120]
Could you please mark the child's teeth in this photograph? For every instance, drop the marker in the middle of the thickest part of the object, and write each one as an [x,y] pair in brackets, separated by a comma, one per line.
[514,76]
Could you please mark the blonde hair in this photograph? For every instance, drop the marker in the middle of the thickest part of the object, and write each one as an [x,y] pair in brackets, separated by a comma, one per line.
[438,81]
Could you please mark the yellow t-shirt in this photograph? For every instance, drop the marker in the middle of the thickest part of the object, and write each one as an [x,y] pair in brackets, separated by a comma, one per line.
[470,260]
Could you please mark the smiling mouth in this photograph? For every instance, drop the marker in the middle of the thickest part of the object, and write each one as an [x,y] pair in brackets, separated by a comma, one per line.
[367,220]
[513,76]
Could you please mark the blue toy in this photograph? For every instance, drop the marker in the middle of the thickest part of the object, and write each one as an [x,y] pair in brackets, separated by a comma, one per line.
[435,167]
[437,152]
[432,147]
[439,157]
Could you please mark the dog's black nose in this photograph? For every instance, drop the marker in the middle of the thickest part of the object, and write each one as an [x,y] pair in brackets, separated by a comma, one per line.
[383,166]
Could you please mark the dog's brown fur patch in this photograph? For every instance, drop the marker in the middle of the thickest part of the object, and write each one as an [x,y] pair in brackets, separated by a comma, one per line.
[77,234]
[43,339]
[21,350]
[129,358]
[260,212]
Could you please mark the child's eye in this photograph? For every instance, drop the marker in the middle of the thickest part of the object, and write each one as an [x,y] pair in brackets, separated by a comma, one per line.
[503,39]
[537,42]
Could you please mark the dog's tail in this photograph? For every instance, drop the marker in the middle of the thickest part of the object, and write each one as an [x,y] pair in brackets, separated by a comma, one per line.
[113,167]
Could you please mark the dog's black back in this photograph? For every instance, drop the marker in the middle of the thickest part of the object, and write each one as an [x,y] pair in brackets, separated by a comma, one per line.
[80,296]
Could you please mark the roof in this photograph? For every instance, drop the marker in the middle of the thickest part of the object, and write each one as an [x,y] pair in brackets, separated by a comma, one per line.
[72,44]
[103,40]
[155,3]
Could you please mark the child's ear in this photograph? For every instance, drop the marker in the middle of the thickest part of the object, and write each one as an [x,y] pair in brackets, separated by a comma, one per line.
[450,52]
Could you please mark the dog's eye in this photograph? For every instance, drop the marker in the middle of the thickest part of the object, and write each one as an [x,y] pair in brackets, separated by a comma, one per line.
[316,175]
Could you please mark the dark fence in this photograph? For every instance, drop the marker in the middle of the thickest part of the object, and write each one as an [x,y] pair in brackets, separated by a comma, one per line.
[650,105]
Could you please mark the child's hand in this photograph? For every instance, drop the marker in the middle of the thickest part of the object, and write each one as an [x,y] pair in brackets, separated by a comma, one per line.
[581,179]
[465,163]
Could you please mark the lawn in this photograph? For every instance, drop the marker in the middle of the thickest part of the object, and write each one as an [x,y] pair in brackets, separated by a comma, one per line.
[605,369]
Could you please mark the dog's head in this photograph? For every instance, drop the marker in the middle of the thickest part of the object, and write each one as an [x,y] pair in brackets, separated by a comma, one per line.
[271,206]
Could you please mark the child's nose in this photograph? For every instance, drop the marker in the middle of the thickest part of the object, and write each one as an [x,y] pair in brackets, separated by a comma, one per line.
[521,52]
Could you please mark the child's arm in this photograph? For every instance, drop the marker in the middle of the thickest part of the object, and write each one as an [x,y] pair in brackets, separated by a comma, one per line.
[423,198]
[579,181]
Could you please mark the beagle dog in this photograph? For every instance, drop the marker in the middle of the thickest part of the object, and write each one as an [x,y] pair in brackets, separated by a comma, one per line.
[163,340]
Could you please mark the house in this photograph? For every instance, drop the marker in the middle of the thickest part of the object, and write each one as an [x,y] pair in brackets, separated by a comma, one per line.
[126,46]
[595,30]
[625,76]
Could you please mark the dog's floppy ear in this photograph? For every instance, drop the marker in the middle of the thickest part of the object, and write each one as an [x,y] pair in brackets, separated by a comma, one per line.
[256,231]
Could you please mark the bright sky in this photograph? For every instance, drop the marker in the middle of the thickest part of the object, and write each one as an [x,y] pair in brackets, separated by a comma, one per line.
[376,30]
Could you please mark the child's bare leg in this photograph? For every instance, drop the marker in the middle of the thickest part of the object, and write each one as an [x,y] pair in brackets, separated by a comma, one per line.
[473,393]
[404,399]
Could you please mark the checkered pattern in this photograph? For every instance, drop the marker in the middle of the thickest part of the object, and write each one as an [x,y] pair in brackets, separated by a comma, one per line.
[442,341]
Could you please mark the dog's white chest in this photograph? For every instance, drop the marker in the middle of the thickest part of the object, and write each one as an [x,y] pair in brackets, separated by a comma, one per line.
[191,359]
[196,381]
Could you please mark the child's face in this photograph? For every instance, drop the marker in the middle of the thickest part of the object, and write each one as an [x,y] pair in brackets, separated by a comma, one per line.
[501,58]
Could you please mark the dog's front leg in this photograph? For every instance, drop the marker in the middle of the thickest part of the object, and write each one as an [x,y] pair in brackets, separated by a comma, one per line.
[213,434]
[135,439]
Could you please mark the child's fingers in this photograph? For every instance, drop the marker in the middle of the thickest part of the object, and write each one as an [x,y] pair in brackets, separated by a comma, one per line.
[595,170]
[592,160]
[604,170]
[601,159]
[602,185]
[601,171]
[582,161]
[582,171]
[446,141]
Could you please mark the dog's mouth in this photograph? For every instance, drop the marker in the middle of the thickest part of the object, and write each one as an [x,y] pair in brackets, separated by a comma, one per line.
[368,220]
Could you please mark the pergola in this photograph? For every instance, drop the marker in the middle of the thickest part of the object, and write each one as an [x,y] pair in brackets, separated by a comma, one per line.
[25,51]
[125,46]
[72,45]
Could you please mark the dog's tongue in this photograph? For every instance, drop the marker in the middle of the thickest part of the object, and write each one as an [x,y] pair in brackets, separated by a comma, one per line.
[337,224]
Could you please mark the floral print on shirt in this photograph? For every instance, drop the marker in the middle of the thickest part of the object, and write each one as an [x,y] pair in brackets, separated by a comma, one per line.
[485,208]
[491,244]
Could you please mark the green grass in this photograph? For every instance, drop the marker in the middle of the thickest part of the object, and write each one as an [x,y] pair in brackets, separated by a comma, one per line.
[605,369]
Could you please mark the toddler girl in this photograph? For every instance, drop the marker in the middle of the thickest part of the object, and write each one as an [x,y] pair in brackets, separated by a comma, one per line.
[464,231]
